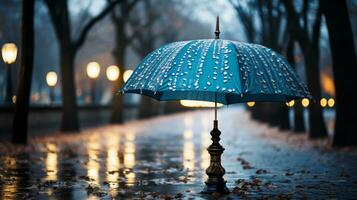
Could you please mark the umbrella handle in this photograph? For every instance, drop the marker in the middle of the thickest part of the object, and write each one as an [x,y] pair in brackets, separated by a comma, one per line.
[215,106]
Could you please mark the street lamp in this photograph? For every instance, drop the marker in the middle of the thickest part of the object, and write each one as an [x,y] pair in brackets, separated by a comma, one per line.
[93,71]
[331,102]
[323,102]
[305,102]
[113,72]
[127,75]
[250,103]
[51,80]
[9,53]
[290,103]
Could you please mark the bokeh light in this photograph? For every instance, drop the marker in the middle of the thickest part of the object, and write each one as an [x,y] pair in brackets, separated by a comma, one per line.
[51,79]
[250,103]
[9,53]
[93,70]
[323,102]
[290,103]
[113,72]
[127,75]
[305,102]
[14,99]
[331,102]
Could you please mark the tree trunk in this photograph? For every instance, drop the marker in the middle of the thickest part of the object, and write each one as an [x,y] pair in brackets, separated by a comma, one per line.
[299,126]
[70,121]
[316,120]
[172,107]
[9,90]
[284,117]
[24,88]
[119,54]
[344,70]
[148,107]
[298,110]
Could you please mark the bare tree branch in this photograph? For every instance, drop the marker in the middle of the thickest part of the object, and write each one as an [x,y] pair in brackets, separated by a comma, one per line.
[316,28]
[79,42]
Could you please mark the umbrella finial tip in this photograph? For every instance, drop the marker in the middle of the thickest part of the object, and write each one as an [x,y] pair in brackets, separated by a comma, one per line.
[217,32]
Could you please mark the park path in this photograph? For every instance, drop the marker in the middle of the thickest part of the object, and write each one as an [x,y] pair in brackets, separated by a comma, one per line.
[165,158]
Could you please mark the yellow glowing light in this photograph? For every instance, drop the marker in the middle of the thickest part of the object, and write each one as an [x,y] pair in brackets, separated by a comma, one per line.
[9,53]
[14,99]
[331,102]
[113,161]
[328,84]
[250,103]
[51,162]
[290,103]
[113,165]
[93,166]
[113,72]
[198,104]
[93,70]
[305,102]
[129,150]
[130,178]
[323,102]
[127,75]
[51,79]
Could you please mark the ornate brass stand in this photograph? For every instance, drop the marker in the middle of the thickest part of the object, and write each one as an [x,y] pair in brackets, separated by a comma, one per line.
[215,171]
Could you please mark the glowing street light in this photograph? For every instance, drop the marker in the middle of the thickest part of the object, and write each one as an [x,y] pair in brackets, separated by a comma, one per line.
[113,72]
[290,103]
[93,71]
[323,102]
[331,102]
[305,102]
[51,80]
[9,54]
[250,103]
[127,75]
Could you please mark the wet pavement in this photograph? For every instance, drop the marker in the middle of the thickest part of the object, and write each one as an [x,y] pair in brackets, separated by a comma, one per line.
[165,158]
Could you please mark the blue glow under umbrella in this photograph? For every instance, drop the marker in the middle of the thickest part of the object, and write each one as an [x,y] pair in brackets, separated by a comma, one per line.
[216,70]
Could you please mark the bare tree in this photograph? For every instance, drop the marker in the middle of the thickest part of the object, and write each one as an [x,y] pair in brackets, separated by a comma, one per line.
[25,76]
[344,69]
[307,35]
[119,18]
[69,47]
[298,110]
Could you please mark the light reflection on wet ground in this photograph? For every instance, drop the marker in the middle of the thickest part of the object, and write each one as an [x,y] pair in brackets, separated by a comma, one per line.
[166,158]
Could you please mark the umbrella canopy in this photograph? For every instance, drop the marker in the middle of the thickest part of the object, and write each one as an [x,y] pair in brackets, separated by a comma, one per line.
[216,70]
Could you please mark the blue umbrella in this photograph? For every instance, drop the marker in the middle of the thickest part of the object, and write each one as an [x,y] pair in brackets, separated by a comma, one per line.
[216,70]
